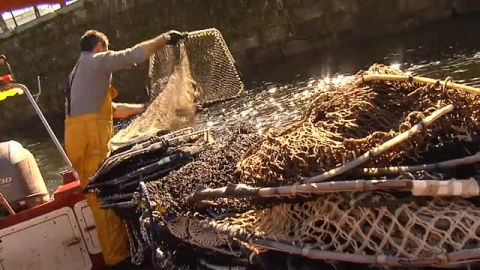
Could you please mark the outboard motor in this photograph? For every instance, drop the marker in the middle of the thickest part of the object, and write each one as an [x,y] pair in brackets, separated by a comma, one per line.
[21,182]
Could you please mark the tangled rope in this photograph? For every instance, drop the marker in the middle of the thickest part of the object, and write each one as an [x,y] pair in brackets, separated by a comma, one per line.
[343,123]
[248,194]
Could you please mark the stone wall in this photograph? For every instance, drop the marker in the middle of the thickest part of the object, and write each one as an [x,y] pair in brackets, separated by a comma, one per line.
[256,31]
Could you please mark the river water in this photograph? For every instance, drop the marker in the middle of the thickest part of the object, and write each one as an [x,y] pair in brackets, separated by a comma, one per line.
[276,94]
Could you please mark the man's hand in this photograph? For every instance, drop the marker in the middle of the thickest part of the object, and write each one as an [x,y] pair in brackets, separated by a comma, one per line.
[151,46]
[124,110]
[175,37]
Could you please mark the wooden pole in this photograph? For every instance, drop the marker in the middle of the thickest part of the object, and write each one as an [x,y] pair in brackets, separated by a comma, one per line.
[463,188]
[405,78]
[425,167]
[382,148]
[318,254]
[244,191]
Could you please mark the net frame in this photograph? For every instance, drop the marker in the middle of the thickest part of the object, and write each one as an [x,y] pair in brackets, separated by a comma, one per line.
[211,63]
[364,227]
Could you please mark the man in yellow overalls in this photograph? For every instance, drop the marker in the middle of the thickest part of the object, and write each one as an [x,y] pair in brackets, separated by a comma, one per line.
[89,122]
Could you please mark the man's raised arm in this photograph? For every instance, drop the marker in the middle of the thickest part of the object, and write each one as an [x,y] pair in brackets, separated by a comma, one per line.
[117,60]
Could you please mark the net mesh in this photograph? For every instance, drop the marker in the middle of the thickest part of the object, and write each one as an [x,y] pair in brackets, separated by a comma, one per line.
[344,123]
[199,71]
[174,108]
[369,224]
[211,63]
[341,124]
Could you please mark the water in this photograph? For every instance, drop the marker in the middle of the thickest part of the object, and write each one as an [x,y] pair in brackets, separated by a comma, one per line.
[48,159]
[278,93]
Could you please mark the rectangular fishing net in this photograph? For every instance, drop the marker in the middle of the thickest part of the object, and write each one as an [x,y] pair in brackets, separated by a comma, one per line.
[211,65]
[200,71]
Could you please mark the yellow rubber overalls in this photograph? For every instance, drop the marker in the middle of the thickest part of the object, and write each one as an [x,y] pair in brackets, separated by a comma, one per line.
[86,143]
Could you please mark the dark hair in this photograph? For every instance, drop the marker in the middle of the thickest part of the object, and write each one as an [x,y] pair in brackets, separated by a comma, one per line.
[91,38]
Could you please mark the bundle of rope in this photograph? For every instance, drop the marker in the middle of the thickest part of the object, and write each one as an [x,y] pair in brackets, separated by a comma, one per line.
[345,123]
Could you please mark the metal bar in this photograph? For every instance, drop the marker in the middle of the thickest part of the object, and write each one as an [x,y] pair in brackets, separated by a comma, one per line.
[37,95]
[405,78]
[138,172]
[220,267]
[145,138]
[148,204]
[47,126]
[186,137]
[118,197]
[151,176]
[244,191]
[452,163]
[13,18]
[376,151]
[126,204]
[6,205]
[149,168]
[308,251]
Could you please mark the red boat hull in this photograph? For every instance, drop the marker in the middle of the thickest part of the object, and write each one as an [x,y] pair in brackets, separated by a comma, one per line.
[66,196]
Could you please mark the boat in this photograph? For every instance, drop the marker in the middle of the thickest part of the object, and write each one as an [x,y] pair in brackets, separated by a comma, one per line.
[59,232]
[38,231]
[387,188]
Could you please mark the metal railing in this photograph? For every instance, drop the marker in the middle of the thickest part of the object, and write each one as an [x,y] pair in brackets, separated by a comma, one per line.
[12,19]
[47,126]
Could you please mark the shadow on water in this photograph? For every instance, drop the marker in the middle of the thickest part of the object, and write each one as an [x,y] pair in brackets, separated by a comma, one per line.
[277,93]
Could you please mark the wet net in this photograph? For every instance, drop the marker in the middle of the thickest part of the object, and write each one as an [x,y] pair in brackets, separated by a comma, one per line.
[211,63]
[343,123]
[200,71]
[370,223]
[174,108]
[215,166]
[118,176]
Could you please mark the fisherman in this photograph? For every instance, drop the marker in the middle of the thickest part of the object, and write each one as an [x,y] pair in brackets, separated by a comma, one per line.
[89,125]
[5,69]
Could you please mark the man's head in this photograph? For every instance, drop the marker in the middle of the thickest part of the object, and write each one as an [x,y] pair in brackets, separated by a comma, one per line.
[94,41]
